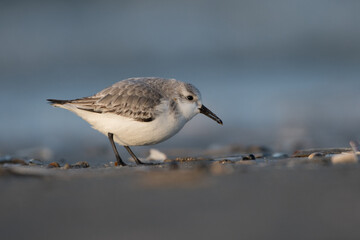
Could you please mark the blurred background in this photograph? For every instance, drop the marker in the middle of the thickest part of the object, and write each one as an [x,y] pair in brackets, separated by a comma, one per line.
[283,74]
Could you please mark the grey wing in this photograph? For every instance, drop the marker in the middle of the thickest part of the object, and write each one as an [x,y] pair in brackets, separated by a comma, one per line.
[136,100]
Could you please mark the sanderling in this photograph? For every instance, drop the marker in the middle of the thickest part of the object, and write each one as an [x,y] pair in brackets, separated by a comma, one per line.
[139,111]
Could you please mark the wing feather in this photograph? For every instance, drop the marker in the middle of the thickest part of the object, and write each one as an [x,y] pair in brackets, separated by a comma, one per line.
[133,99]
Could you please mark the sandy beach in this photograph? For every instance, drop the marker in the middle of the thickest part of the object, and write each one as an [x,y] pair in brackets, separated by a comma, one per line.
[230,198]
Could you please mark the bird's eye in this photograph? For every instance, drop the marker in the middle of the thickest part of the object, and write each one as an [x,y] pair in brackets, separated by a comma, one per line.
[190,97]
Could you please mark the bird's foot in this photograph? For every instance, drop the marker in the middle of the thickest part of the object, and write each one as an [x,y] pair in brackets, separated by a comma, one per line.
[138,162]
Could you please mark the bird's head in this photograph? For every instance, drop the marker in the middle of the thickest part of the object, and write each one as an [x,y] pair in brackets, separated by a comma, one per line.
[189,103]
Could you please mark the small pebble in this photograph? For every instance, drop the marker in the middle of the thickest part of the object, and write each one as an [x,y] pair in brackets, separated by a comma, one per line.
[53,165]
[225,161]
[325,151]
[280,155]
[81,165]
[35,162]
[315,155]
[354,146]
[67,166]
[18,161]
[248,157]
[185,159]
[156,155]
[344,158]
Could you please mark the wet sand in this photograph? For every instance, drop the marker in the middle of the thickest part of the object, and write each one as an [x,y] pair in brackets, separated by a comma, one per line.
[288,198]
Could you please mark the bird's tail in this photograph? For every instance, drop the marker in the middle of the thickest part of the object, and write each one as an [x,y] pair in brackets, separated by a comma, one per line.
[57,103]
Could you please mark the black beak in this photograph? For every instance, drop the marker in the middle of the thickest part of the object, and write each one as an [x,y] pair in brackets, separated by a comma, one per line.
[204,110]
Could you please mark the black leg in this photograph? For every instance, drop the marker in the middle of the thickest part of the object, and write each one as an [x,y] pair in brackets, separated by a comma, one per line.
[133,155]
[118,159]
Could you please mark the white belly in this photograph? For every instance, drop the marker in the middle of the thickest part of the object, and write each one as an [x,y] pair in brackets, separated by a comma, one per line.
[128,132]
